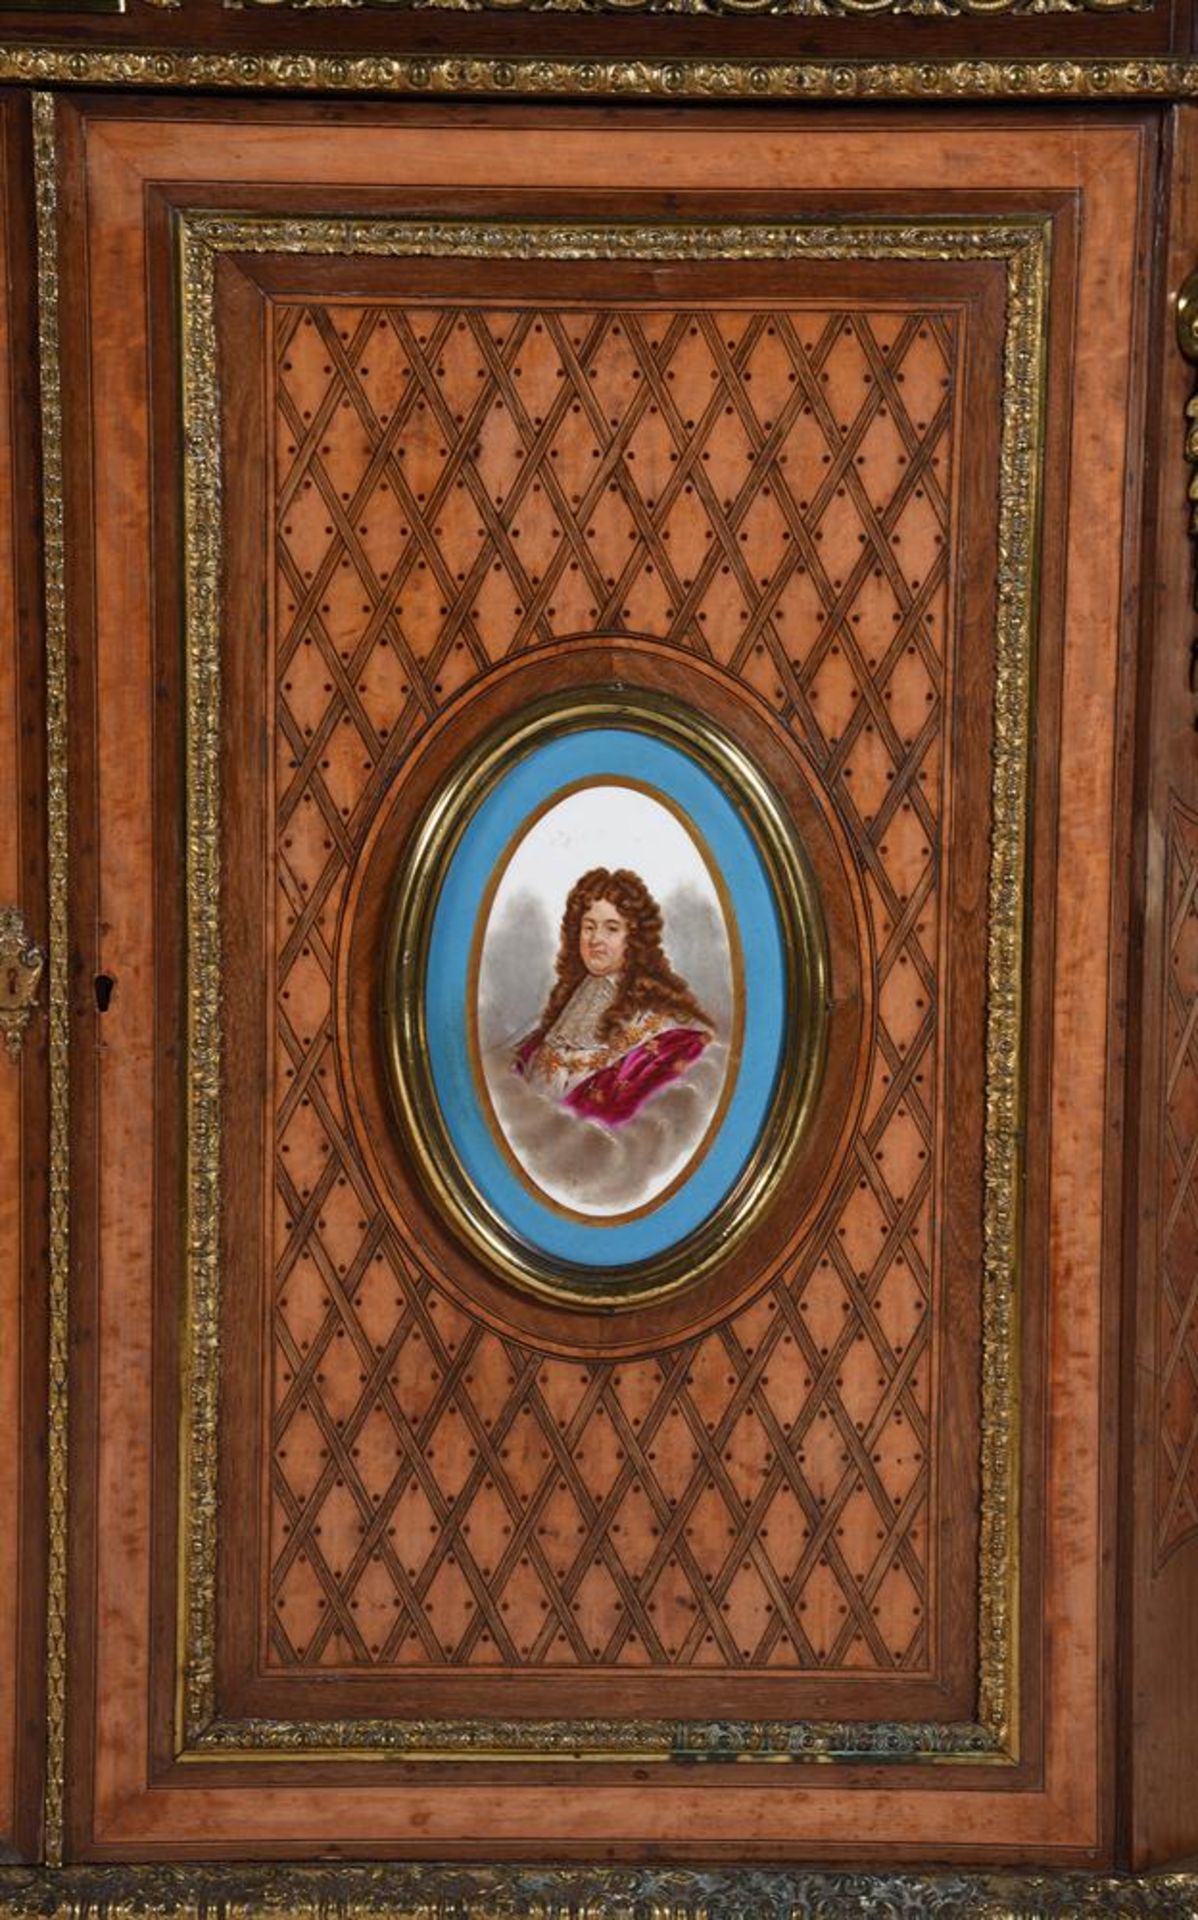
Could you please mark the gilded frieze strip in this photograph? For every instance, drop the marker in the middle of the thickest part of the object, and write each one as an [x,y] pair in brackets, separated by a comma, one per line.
[1019,500]
[809,9]
[522,1892]
[579,77]
[201,1349]
[1023,245]
[46,172]
[677,1741]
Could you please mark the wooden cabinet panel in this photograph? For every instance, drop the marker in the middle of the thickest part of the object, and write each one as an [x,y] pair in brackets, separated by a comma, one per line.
[400,436]
[1162,1568]
[759,1498]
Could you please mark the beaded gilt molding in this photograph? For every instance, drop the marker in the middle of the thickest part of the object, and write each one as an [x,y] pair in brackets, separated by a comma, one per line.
[1022,245]
[579,77]
[53,507]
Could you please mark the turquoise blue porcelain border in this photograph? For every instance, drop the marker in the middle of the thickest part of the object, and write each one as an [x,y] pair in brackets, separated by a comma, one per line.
[550,768]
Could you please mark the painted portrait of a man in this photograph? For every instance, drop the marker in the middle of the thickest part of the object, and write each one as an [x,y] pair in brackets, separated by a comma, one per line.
[607,1001]
[619,1024]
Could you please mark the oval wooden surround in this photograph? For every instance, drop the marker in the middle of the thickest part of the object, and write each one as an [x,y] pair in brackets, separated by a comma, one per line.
[774,1238]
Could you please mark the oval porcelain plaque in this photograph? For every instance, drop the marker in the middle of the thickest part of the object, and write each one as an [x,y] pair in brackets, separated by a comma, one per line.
[604,993]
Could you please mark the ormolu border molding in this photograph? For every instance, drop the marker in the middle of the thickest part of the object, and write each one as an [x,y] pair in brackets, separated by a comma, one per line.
[680,1742]
[518,1892]
[201,1342]
[581,77]
[53,508]
[568,1893]
[810,9]
[1021,463]
[1023,244]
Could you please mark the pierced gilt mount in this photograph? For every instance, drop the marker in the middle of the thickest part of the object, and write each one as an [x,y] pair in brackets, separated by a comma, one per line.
[21,963]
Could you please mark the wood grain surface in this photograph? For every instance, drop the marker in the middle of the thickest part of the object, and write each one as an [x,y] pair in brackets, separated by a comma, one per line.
[1160,1540]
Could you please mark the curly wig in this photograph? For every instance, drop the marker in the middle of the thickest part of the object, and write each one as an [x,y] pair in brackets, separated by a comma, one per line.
[647,982]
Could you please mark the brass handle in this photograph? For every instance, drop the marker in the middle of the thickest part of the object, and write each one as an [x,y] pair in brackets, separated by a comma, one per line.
[1187,316]
[21,964]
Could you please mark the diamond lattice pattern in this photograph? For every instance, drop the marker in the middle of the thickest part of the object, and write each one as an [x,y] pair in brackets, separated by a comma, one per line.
[1177,1327]
[770,491]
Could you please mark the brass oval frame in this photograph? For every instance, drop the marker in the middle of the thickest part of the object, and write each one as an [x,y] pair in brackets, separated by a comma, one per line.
[402,1016]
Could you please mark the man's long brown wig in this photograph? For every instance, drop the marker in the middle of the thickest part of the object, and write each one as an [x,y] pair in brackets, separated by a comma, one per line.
[647,982]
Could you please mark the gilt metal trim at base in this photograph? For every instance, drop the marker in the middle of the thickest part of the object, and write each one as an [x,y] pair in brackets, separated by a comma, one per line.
[809,9]
[518,1892]
[21,963]
[680,1742]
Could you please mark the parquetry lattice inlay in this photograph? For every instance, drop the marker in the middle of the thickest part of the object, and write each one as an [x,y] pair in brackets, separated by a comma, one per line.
[769,490]
[1177,1327]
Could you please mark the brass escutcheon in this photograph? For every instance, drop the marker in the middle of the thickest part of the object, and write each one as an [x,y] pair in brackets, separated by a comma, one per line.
[21,963]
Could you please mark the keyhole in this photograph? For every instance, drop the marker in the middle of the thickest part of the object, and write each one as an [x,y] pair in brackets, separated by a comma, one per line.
[13,983]
[104,984]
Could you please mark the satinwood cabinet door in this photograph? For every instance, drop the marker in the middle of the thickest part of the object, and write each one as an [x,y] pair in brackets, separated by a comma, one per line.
[598,749]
